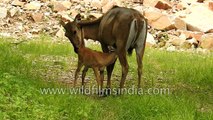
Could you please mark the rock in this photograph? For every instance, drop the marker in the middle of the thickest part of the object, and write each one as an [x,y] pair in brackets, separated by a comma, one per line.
[13,11]
[66,4]
[186,45]
[97,15]
[108,6]
[17,3]
[96,4]
[211,6]
[161,44]
[75,1]
[37,17]
[150,41]
[189,2]
[179,24]
[152,14]
[202,22]
[120,3]
[74,13]
[3,13]
[176,41]
[139,8]
[58,7]
[60,33]
[138,1]
[35,31]
[34,5]
[163,23]
[150,3]
[162,4]
[200,1]
[192,41]
[104,2]
[189,34]
[180,6]
[65,17]
[5,1]
[207,41]
[160,21]
[171,48]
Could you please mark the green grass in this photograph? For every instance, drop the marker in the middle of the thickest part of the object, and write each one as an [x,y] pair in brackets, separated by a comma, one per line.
[28,67]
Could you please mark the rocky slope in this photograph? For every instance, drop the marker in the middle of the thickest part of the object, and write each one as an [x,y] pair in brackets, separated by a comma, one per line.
[173,24]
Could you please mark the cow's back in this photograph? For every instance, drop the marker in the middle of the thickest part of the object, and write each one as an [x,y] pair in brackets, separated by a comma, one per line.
[115,24]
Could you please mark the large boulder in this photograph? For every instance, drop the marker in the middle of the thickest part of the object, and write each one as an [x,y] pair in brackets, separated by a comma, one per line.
[200,19]
[163,23]
[157,20]
[160,21]
[179,24]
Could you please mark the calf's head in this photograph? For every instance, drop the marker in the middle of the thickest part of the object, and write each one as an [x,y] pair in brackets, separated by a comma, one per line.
[74,32]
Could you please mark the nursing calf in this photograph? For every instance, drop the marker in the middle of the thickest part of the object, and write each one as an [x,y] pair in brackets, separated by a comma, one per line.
[87,57]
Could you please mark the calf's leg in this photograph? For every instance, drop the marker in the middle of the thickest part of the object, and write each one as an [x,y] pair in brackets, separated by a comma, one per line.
[77,72]
[98,79]
[83,75]
[109,67]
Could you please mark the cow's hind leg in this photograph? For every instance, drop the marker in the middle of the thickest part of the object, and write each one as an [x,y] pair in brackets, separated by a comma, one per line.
[125,67]
[140,48]
[139,57]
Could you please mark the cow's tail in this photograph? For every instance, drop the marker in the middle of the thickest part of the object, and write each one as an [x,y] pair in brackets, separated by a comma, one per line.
[137,35]
[132,36]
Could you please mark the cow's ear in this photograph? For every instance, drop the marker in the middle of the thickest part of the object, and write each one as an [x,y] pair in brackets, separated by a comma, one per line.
[77,17]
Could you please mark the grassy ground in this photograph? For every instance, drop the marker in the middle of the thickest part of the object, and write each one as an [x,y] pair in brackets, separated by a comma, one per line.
[32,66]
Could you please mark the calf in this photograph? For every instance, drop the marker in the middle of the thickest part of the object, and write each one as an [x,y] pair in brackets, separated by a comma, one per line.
[87,57]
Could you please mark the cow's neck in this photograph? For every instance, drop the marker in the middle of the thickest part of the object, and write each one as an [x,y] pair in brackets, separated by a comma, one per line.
[91,31]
